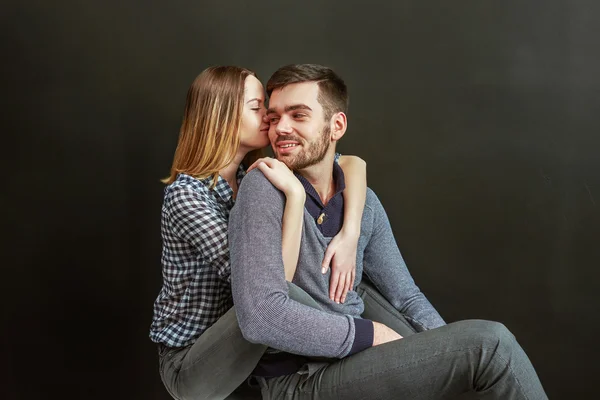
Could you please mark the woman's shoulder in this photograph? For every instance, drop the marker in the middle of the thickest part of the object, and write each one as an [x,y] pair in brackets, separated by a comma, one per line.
[186,189]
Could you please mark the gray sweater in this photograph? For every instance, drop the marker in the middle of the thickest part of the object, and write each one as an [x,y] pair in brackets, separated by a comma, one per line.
[264,310]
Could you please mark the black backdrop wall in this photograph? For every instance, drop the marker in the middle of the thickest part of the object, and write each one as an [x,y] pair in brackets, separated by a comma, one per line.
[478,121]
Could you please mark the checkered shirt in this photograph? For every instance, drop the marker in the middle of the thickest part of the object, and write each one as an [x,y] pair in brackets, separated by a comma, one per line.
[196,289]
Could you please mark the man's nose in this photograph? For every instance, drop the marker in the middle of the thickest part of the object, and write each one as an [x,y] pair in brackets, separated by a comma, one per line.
[283,126]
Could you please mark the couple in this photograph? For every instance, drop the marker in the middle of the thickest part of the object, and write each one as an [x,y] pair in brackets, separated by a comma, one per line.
[296,255]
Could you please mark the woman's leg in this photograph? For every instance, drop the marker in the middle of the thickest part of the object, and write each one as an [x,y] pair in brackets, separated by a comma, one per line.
[215,365]
[377,308]
[299,295]
[219,361]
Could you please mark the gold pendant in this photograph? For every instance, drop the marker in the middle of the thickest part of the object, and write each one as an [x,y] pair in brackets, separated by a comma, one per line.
[320,219]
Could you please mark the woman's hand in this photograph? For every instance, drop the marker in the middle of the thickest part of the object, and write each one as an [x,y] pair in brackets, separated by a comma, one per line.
[279,175]
[341,256]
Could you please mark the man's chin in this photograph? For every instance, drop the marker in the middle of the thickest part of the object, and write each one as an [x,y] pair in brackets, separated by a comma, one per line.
[288,161]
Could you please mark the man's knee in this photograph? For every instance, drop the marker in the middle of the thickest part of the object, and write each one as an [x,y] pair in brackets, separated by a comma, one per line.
[492,333]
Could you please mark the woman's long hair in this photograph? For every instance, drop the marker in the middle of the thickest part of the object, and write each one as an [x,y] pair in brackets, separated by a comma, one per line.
[210,132]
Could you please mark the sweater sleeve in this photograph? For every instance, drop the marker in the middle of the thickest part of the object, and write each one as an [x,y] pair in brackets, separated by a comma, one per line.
[386,268]
[265,312]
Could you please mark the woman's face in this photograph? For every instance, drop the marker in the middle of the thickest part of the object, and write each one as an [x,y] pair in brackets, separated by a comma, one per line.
[254,130]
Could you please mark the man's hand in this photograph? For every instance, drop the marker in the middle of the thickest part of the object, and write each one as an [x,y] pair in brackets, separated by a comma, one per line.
[341,257]
[382,334]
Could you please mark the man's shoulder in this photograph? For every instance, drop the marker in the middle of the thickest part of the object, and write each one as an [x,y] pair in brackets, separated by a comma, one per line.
[374,206]
[372,201]
[256,185]
[257,201]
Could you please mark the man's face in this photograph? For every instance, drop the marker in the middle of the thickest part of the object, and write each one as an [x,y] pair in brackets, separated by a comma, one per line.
[299,135]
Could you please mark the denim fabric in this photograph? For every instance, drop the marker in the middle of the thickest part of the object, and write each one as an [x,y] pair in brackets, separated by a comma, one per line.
[218,362]
[214,366]
[440,363]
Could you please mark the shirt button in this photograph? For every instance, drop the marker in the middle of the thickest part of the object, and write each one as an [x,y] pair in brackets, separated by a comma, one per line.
[321,218]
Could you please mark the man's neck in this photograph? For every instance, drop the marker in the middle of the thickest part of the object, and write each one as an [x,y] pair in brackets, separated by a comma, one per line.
[320,176]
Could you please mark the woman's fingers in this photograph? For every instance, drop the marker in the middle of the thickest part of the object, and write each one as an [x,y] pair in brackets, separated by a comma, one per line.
[333,284]
[340,288]
[267,170]
[349,285]
[266,160]
[327,260]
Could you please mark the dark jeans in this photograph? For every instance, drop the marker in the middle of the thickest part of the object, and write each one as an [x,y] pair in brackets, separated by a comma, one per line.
[214,366]
[459,357]
[377,308]
[221,359]
[441,363]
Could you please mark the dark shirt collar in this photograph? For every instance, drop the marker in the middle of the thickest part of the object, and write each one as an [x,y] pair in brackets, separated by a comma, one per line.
[338,179]
[330,218]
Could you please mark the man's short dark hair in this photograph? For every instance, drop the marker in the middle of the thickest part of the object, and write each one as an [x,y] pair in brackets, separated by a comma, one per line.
[333,94]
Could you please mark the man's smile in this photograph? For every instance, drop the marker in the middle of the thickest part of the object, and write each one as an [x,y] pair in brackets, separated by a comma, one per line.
[285,147]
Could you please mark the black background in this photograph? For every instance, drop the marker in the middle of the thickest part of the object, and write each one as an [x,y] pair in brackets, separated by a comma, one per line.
[479,121]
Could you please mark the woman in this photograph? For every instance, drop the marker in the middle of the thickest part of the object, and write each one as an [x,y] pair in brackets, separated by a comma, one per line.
[202,352]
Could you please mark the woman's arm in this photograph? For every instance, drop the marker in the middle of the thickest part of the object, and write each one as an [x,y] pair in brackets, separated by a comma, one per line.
[293,215]
[355,194]
[283,179]
[341,252]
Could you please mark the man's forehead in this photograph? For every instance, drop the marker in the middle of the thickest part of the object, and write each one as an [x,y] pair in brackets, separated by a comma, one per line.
[304,92]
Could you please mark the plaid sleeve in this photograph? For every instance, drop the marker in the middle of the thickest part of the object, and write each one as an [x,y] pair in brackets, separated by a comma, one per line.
[195,221]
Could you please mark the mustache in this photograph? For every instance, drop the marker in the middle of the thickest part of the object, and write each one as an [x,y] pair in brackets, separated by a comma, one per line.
[287,137]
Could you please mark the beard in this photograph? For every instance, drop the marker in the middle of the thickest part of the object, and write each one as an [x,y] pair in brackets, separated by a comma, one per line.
[313,153]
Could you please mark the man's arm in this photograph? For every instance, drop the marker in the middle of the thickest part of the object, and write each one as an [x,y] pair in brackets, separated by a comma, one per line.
[264,310]
[386,268]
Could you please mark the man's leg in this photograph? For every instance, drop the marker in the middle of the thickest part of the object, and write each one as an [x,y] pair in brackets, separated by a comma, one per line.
[437,364]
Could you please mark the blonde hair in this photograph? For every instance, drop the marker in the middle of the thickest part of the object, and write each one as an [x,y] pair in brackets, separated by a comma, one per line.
[209,136]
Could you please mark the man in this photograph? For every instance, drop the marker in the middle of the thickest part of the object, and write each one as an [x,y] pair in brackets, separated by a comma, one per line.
[327,351]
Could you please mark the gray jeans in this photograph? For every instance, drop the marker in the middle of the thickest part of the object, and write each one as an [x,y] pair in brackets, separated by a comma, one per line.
[220,360]
[441,363]
[214,366]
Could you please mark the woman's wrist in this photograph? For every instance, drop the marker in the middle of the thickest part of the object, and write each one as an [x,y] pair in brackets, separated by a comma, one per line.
[350,229]
[296,192]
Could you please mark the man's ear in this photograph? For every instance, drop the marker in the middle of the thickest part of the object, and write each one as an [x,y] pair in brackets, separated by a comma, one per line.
[339,123]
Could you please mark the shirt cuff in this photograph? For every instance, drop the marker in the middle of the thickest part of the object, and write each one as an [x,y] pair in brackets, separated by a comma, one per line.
[363,335]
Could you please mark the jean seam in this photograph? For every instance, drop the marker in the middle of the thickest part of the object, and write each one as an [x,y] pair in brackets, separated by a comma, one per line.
[210,350]
[391,310]
[170,390]
[416,323]
[513,374]
[410,363]
[367,290]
